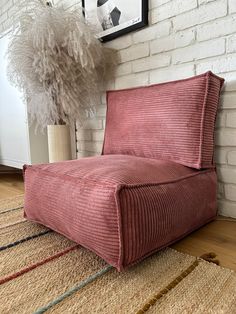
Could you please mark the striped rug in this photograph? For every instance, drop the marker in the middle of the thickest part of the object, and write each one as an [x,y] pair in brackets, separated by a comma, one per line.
[43,272]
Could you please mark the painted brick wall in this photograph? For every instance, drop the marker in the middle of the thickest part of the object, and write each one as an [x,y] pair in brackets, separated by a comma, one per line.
[184,38]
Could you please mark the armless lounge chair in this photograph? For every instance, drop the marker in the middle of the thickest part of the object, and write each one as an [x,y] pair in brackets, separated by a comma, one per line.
[154,183]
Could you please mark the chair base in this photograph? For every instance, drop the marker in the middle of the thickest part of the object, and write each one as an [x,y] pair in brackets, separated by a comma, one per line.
[123,208]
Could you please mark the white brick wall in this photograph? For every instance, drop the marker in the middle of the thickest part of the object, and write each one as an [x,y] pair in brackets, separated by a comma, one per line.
[134,52]
[232,157]
[184,38]
[217,28]
[231,44]
[230,192]
[202,14]
[199,51]
[232,6]
[176,40]
[171,8]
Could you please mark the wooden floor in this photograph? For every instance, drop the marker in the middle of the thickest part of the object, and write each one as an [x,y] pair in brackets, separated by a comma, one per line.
[11,185]
[218,236]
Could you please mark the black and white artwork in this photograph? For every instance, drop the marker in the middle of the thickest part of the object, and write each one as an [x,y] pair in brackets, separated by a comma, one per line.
[114,18]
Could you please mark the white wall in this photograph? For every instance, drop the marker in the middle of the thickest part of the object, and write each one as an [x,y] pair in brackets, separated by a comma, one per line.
[184,38]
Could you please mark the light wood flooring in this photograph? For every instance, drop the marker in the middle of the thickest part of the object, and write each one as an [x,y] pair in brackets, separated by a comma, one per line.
[11,185]
[218,236]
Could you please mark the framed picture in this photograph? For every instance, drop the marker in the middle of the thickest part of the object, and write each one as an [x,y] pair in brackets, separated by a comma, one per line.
[114,18]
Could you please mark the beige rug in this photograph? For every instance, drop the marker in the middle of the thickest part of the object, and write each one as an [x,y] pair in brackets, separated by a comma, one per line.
[43,272]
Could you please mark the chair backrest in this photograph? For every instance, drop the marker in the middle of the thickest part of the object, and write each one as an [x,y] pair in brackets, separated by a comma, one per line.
[172,121]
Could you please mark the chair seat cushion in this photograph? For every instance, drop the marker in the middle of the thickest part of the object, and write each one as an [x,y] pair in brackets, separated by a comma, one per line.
[122,207]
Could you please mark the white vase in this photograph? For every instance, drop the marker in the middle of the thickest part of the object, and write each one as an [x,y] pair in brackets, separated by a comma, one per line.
[59,143]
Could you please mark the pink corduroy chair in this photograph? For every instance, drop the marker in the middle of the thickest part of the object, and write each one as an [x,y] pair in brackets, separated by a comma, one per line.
[154,183]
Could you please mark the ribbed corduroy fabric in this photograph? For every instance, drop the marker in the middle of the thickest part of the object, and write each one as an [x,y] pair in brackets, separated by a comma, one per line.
[170,121]
[139,196]
[122,207]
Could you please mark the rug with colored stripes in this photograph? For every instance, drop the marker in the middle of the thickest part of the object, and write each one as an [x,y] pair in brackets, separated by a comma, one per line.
[43,272]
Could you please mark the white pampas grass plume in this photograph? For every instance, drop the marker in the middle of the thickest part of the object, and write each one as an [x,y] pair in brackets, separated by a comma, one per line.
[54,57]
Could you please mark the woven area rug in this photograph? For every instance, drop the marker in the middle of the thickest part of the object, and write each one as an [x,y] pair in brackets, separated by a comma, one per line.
[42,271]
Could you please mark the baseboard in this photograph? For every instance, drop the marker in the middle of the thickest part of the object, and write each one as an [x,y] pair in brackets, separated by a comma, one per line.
[9,170]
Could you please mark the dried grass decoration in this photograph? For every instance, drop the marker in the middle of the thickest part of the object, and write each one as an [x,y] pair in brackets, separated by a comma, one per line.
[55,59]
